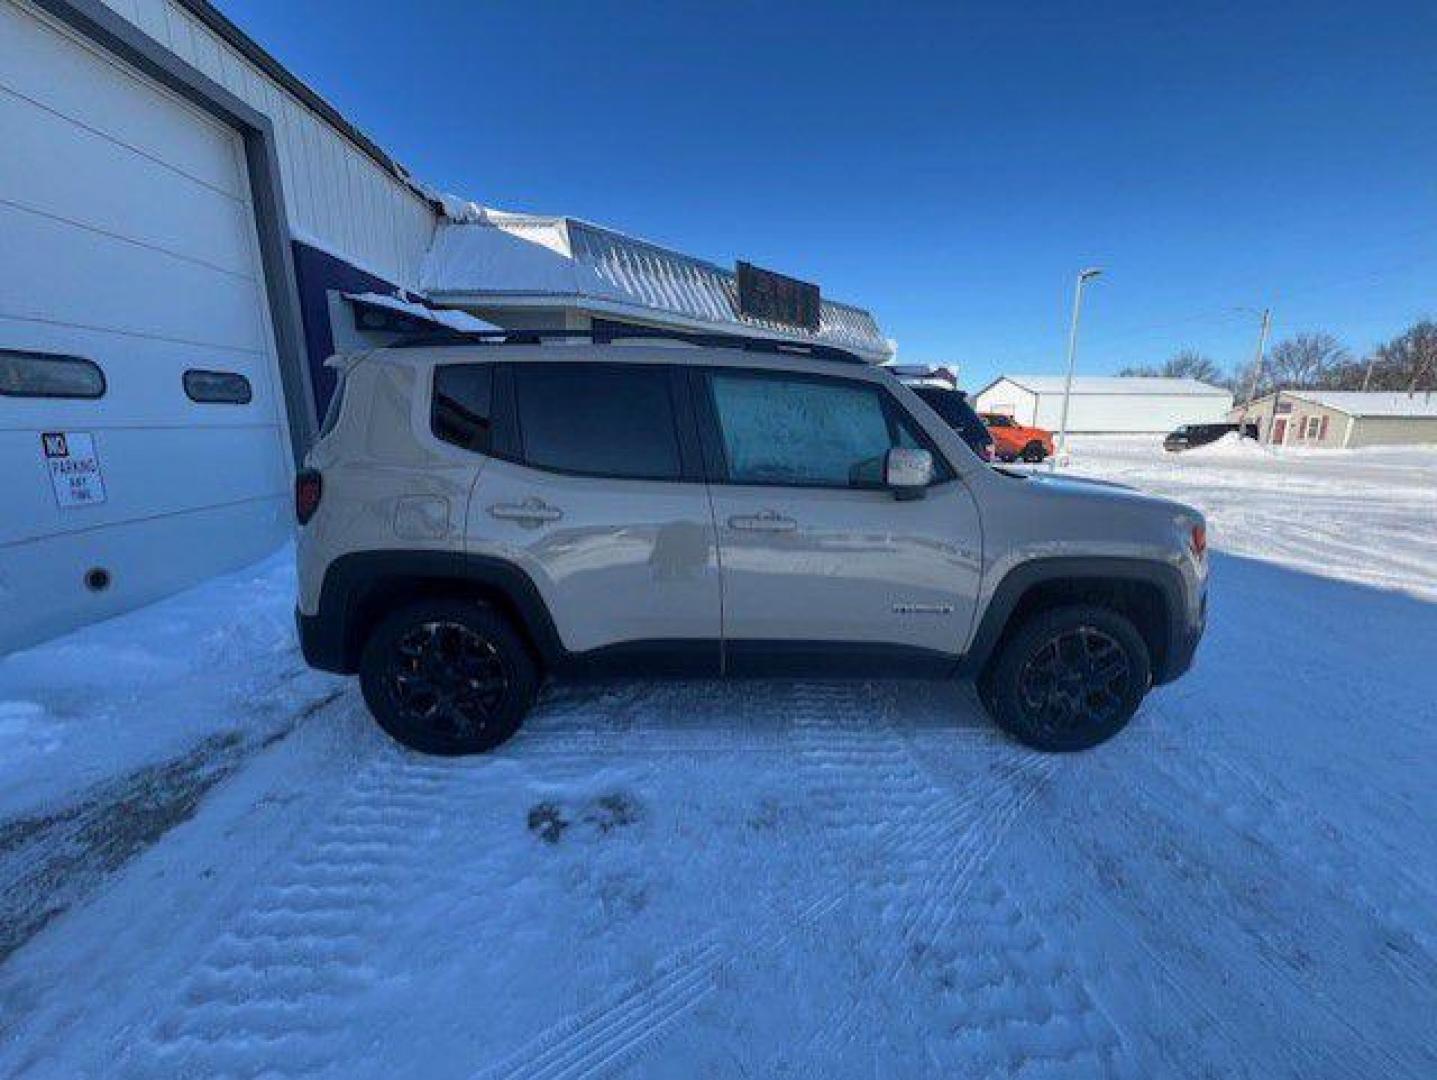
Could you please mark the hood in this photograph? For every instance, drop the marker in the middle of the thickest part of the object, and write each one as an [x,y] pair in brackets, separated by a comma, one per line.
[1078,483]
[1082,487]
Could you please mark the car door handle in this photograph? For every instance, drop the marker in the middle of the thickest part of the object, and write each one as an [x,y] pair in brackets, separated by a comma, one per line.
[767,521]
[529,512]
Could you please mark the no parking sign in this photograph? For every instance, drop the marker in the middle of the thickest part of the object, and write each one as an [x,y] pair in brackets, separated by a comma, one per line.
[74,467]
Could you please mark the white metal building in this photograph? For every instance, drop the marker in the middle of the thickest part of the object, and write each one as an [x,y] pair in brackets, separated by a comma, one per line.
[172,207]
[188,231]
[1111,404]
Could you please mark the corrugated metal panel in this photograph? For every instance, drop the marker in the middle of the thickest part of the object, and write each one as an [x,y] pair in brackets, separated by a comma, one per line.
[545,256]
[332,190]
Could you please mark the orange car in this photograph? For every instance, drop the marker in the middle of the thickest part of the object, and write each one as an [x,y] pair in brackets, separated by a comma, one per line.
[1011,440]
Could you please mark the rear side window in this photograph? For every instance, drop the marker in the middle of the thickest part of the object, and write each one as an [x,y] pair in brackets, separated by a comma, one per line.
[612,420]
[49,375]
[463,405]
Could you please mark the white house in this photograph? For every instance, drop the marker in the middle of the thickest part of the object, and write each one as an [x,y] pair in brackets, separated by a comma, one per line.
[1105,403]
[188,232]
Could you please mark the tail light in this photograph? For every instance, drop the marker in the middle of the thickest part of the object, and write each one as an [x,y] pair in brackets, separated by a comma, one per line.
[1199,540]
[308,489]
[986,451]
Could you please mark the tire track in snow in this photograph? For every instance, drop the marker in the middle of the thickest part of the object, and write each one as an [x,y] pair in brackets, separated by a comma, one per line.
[50,863]
[619,1027]
[630,1020]
[936,843]
[266,997]
[1265,818]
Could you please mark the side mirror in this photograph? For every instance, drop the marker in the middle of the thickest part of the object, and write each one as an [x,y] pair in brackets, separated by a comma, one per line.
[907,473]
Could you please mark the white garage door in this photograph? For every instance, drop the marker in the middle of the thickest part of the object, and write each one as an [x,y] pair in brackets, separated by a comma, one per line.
[127,239]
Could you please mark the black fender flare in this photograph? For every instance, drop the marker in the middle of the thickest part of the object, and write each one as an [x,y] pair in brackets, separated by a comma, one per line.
[1076,569]
[330,639]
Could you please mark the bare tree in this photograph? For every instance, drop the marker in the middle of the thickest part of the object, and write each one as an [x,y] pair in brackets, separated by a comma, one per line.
[1306,361]
[1408,361]
[1184,364]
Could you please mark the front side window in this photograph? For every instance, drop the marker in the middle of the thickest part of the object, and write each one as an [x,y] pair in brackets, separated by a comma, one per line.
[808,432]
[592,419]
[48,375]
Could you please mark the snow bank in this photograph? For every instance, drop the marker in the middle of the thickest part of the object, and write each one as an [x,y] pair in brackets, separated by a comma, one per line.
[144,685]
[1231,445]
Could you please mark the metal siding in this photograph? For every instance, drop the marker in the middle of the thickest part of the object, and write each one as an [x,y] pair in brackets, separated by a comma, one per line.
[1006,396]
[1129,413]
[1394,431]
[331,189]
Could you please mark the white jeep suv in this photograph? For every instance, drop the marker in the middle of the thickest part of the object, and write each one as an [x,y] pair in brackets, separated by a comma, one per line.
[479,513]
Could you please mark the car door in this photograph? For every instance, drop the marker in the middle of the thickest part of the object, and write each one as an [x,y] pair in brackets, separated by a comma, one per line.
[819,559]
[594,488]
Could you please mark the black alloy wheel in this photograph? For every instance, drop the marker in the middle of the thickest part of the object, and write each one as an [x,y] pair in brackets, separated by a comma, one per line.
[1078,677]
[447,677]
[1068,678]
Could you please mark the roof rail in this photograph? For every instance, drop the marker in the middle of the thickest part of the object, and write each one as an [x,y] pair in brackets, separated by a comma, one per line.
[609,334]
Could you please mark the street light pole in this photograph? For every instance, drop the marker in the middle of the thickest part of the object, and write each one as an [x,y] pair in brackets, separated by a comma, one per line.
[1083,277]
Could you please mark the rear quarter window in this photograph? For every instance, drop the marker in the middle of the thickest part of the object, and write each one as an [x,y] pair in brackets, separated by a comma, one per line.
[462,408]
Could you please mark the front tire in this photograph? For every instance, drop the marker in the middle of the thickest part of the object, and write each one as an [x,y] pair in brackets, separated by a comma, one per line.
[447,677]
[1034,452]
[1069,678]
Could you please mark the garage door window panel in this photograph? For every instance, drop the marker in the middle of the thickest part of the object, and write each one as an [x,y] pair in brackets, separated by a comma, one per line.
[217,387]
[49,375]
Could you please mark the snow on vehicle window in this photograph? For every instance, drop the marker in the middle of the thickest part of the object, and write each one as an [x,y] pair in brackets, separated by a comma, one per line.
[801,431]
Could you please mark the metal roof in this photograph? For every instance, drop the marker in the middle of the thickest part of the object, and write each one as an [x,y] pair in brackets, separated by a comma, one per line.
[1423,403]
[1147,386]
[500,259]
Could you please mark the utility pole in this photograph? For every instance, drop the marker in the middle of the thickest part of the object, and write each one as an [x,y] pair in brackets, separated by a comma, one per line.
[1084,276]
[1257,371]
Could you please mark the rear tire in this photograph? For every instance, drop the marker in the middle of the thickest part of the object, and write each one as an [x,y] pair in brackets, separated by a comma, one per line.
[1069,678]
[447,677]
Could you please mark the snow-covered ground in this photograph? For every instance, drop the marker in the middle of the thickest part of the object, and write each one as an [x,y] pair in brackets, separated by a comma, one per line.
[1360,515]
[212,862]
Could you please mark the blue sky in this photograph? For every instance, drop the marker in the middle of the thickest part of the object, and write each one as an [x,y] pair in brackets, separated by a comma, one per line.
[948,166]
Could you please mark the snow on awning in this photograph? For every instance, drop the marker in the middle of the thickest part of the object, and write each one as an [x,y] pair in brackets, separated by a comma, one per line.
[495,259]
[452,320]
